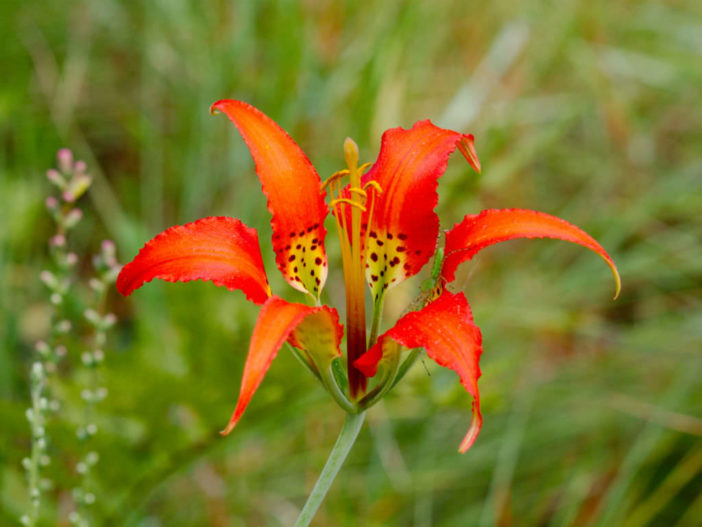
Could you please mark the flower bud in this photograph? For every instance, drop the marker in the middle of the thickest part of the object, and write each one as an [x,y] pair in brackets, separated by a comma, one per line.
[51,203]
[65,160]
[49,280]
[72,218]
[92,316]
[58,240]
[109,320]
[42,348]
[78,185]
[56,178]
[64,326]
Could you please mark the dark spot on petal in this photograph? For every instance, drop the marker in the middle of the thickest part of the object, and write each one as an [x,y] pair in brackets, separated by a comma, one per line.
[374,257]
[292,234]
[314,240]
[379,242]
[394,261]
[310,229]
[389,236]
[406,267]
[312,272]
[318,260]
[318,281]
[402,236]
[313,248]
[298,246]
[417,252]
[292,258]
[401,249]
[373,234]
[374,278]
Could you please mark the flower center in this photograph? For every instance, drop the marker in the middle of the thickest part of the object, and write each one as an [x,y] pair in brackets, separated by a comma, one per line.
[352,208]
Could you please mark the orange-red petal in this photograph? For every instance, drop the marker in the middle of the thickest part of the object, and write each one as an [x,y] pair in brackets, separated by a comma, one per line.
[276,323]
[445,329]
[478,231]
[217,249]
[319,334]
[403,226]
[295,196]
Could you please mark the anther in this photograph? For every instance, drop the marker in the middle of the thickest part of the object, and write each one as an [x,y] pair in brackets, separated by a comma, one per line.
[375,185]
[335,177]
[364,167]
[358,191]
[348,202]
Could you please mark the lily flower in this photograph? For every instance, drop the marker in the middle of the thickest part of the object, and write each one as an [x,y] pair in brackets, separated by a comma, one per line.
[388,231]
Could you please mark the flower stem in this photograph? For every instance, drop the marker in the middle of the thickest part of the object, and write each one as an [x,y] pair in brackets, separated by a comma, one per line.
[347,437]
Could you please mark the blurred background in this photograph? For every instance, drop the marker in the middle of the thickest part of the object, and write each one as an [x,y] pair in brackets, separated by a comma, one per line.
[586,110]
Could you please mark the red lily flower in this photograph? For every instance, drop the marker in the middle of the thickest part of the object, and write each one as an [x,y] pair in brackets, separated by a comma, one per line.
[388,231]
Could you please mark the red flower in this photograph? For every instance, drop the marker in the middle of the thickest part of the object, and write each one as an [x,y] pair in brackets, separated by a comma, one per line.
[388,231]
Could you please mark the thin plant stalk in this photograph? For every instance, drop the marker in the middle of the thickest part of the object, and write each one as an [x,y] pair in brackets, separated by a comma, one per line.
[342,447]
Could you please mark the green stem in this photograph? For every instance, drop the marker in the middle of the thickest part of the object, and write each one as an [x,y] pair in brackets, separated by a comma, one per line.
[347,437]
[329,382]
[377,317]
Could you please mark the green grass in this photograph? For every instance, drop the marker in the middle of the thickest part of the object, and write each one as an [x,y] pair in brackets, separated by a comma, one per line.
[586,110]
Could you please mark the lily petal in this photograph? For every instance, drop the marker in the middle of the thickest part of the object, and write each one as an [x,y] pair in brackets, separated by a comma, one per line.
[478,231]
[276,323]
[445,329]
[403,225]
[319,334]
[295,196]
[221,250]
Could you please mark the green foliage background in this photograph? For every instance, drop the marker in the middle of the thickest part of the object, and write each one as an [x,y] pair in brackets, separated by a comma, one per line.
[586,110]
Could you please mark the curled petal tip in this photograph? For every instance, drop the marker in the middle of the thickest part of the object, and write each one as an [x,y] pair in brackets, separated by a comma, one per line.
[475,425]
[215,108]
[467,147]
[229,428]
[617,280]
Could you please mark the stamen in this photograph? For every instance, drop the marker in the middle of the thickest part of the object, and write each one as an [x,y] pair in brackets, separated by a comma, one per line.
[335,177]
[375,185]
[336,201]
[364,167]
[359,191]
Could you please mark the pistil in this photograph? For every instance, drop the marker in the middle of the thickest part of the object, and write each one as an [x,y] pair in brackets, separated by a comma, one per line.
[355,286]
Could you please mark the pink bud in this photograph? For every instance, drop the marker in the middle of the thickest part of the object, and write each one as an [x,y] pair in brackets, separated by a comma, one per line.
[80,166]
[108,247]
[68,196]
[71,259]
[72,218]
[55,177]
[58,241]
[51,203]
[65,160]
[48,278]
